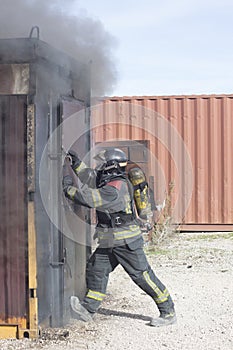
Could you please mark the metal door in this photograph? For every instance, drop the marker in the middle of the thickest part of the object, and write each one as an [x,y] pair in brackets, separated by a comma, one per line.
[76,228]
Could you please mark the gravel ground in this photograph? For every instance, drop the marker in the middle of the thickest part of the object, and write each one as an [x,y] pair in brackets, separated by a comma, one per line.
[198,272]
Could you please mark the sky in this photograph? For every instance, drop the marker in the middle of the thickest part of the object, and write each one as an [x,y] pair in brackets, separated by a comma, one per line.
[167,47]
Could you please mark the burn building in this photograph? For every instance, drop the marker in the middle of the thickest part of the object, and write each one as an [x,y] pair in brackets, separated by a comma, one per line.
[42,260]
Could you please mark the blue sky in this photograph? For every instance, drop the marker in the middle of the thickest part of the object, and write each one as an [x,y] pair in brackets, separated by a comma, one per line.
[168,47]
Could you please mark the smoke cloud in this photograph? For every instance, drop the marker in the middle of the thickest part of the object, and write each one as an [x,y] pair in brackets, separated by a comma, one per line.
[75,33]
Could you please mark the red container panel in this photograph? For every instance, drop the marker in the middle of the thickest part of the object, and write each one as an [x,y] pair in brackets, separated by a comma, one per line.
[190,142]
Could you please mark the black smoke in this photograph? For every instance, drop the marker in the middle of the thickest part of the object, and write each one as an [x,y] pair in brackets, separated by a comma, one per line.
[75,33]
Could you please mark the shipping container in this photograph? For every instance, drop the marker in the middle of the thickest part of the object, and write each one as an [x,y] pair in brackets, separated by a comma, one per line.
[185,145]
[42,250]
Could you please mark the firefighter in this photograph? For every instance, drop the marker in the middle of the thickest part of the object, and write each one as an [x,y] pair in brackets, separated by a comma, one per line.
[119,235]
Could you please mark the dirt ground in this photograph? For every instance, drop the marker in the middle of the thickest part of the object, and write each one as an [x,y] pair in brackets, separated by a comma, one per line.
[197,270]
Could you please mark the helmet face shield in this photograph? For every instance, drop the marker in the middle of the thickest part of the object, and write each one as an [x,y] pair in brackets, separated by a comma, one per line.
[112,154]
[88,177]
[100,157]
[100,160]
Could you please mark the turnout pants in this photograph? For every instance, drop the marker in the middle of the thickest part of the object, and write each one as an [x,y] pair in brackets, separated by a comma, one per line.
[133,259]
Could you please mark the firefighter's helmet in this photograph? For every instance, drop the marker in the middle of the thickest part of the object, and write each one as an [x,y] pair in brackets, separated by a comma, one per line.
[111,159]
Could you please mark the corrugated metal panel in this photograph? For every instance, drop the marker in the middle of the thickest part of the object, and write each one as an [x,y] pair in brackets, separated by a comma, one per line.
[190,141]
[13,212]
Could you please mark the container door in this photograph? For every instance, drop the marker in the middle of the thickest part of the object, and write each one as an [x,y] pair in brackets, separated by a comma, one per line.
[76,135]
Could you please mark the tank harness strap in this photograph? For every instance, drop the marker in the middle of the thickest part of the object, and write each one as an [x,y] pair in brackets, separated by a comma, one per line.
[141,186]
[121,218]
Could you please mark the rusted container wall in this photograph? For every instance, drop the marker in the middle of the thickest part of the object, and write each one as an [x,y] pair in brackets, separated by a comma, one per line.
[13,212]
[190,140]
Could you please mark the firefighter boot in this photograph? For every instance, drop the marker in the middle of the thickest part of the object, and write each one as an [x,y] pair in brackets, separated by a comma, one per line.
[167,314]
[78,311]
[164,320]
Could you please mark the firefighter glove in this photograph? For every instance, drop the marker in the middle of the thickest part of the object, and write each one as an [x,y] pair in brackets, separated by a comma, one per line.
[75,160]
[67,181]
